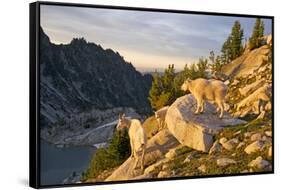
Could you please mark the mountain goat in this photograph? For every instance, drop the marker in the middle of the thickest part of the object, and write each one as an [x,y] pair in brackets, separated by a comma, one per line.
[213,91]
[138,139]
[160,117]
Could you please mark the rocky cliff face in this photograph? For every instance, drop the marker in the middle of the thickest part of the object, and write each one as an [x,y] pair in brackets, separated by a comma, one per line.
[247,63]
[250,83]
[80,76]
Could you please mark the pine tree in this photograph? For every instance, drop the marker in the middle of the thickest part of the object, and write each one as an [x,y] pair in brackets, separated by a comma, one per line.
[192,71]
[168,94]
[226,52]
[155,90]
[202,67]
[212,57]
[177,83]
[164,99]
[236,40]
[168,77]
[162,92]
[233,47]
[107,158]
[119,146]
[257,34]
[216,63]
[187,71]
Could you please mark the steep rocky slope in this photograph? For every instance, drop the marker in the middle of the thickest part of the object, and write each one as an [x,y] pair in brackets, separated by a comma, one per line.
[250,83]
[204,144]
[247,63]
[240,148]
[81,76]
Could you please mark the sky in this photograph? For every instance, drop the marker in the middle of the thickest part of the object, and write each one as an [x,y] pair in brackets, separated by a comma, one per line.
[149,40]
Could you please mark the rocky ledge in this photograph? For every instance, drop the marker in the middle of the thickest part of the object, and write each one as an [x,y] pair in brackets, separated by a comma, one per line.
[192,130]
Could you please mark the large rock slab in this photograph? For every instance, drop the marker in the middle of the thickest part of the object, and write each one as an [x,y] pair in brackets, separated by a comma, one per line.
[251,87]
[247,63]
[255,102]
[192,130]
[156,149]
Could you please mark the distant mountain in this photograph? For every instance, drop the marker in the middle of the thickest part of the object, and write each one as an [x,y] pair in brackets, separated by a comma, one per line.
[80,76]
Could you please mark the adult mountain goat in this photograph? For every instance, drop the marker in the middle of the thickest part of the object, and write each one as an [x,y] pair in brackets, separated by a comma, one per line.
[213,91]
[138,139]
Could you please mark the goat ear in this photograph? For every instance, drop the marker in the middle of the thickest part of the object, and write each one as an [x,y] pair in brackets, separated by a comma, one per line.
[123,116]
[120,115]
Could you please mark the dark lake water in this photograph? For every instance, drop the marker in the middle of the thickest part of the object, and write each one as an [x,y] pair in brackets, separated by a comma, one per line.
[59,163]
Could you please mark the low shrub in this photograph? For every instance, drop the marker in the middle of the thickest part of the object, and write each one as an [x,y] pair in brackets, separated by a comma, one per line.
[114,155]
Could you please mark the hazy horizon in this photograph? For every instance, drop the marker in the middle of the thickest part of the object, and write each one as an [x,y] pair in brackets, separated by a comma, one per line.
[149,40]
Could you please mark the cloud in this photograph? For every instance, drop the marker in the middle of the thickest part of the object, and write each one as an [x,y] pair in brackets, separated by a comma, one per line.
[175,37]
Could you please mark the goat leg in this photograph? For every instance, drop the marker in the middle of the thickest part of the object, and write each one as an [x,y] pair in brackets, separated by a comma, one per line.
[142,159]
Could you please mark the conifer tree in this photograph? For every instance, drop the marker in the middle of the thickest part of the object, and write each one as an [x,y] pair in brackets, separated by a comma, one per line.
[257,34]
[233,47]
[215,65]
[187,71]
[212,56]
[192,71]
[168,94]
[202,67]
[155,90]
[236,40]
[168,77]
[218,65]
[162,92]
[225,51]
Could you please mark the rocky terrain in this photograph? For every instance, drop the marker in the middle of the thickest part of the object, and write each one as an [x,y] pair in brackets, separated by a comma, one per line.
[242,148]
[93,128]
[196,145]
[82,88]
[250,83]
[82,76]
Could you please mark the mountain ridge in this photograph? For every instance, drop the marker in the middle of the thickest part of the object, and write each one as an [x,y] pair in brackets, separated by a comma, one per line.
[81,75]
